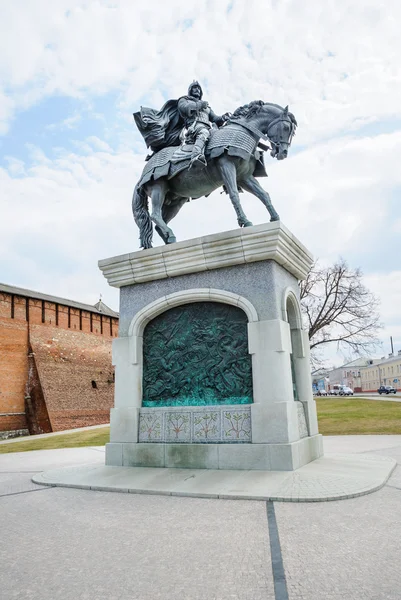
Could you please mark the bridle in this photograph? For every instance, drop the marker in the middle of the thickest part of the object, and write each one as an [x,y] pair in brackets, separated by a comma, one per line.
[265,136]
[285,119]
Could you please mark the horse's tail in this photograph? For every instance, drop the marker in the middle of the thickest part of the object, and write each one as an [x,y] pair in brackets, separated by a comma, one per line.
[142,218]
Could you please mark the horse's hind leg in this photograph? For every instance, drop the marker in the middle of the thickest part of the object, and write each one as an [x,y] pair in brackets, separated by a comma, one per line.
[252,185]
[229,176]
[169,211]
[158,194]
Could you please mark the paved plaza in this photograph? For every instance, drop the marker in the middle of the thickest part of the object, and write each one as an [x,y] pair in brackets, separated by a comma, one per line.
[88,545]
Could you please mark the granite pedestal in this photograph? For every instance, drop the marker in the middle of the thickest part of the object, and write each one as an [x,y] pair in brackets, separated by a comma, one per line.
[256,269]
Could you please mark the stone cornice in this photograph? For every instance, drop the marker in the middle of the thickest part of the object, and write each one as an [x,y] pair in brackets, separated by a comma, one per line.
[269,241]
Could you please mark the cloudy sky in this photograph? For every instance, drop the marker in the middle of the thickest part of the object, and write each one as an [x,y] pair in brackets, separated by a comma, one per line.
[73,71]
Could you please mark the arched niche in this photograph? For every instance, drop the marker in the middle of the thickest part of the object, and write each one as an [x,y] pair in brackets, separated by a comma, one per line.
[155,308]
[207,297]
[291,309]
[292,314]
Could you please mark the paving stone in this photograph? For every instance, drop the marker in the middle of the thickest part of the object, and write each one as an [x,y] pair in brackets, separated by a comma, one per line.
[96,545]
[347,549]
[85,545]
[16,483]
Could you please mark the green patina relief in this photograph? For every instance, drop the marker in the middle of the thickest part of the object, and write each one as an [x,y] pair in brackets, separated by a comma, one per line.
[197,354]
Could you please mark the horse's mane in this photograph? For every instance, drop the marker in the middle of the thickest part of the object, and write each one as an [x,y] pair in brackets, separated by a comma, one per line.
[251,109]
[248,110]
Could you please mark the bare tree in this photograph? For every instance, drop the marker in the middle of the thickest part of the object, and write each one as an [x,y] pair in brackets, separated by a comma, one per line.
[338,308]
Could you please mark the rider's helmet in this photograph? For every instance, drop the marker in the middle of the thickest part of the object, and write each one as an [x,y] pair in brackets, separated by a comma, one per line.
[195,84]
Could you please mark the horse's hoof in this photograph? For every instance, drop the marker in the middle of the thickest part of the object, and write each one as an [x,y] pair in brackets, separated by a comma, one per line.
[275,218]
[245,224]
[171,239]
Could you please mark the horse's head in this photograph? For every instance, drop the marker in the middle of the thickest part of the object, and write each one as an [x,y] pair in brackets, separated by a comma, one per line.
[275,122]
[280,132]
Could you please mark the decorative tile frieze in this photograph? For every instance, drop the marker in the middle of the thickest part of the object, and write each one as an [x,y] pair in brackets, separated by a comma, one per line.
[177,427]
[237,425]
[206,426]
[196,425]
[151,427]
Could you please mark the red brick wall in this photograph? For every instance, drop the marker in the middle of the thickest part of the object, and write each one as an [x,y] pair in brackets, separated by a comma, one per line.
[13,364]
[70,419]
[13,423]
[35,405]
[67,356]
[68,362]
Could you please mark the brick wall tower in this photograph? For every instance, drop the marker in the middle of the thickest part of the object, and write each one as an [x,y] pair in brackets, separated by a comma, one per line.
[55,362]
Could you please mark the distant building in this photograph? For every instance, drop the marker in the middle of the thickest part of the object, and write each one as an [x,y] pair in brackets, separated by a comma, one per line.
[320,380]
[386,371]
[55,362]
[349,374]
[361,374]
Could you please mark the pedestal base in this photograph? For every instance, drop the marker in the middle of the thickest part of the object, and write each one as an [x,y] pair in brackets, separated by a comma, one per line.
[180,367]
[263,457]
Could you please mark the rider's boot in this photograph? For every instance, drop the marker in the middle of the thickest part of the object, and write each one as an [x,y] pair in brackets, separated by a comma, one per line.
[198,151]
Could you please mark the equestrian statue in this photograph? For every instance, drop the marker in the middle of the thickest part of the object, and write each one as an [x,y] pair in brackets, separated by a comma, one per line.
[195,151]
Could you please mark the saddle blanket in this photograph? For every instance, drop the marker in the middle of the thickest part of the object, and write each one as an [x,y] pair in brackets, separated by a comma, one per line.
[170,161]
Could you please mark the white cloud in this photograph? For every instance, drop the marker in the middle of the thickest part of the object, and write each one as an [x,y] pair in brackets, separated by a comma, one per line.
[336,194]
[67,123]
[98,144]
[66,214]
[7,106]
[336,63]
[15,166]
[387,286]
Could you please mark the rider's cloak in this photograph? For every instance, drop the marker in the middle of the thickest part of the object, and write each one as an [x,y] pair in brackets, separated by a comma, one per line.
[160,128]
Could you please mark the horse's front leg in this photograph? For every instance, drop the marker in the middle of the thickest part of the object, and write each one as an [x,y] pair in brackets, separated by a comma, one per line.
[229,176]
[252,185]
[158,194]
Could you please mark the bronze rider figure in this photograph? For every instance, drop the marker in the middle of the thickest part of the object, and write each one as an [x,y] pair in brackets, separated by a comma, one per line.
[198,118]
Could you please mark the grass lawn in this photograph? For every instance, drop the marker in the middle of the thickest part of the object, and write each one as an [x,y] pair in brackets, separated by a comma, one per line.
[92,437]
[353,416]
[345,416]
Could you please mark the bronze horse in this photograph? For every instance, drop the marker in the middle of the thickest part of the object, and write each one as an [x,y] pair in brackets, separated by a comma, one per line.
[233,161]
